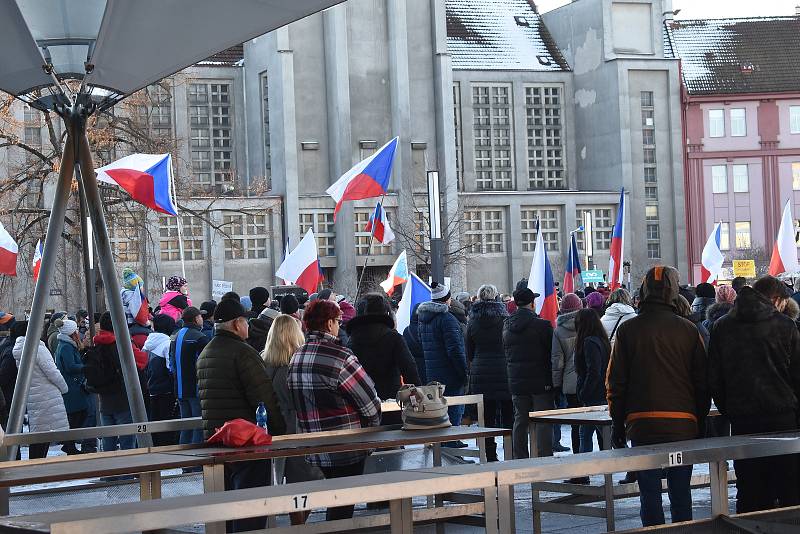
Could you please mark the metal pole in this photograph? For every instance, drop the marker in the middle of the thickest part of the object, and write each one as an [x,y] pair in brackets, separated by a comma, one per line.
[86,254]
[369,254]
[55,227]
[435,228]
[106,263]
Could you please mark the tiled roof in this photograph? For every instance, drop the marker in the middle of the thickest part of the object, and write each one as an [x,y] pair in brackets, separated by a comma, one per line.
[729,56]
[231,56]
[500,35]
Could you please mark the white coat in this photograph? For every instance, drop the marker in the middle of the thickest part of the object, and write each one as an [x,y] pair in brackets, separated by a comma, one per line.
[615,315]
[45,402]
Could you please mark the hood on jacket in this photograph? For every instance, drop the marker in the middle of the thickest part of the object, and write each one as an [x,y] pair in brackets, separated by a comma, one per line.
[701,304]
[158,344]
[618,309]
[104,337]
[269,314]
[567,320]
[360,321]
[459,311]
[488,309]
[428,311]
[717,311]
[521,319]
[751,306]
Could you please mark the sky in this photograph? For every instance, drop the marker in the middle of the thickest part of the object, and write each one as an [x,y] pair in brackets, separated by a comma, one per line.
[704,9]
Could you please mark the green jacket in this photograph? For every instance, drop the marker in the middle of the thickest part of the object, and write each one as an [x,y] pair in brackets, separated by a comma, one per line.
[231,380]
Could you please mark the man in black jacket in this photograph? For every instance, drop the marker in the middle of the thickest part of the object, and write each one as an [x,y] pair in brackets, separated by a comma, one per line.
[754,374]
[186,346]
[527,341]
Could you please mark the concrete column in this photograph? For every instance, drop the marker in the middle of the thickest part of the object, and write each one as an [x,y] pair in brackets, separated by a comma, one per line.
[215,251]
[278,241]
[445,134]
[517,264]
[340,152]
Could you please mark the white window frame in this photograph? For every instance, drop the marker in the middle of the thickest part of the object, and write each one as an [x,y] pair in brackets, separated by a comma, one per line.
[719,183]
[741,180]
[743,241]
[794,119]
[738,124]
[724,236]
[796,175]
[716,124]
[550,226]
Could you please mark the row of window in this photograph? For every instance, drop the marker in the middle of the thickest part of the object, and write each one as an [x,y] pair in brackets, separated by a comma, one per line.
[741,178]
[737,122]
[742,229]
[650,173]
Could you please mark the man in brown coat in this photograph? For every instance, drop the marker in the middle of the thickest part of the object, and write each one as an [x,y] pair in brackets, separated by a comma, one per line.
[657,389]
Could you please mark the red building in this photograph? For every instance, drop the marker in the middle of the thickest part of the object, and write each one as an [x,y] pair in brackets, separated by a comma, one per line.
[741,128]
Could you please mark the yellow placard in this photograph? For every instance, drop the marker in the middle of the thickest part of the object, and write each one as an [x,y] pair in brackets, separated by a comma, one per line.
[745,268]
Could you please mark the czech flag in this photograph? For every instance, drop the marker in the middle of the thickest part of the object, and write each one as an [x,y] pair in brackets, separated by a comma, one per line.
[617,244]
[301,266]
[784,251]
[378,224]
[146,177]
[398,274]
[37,260]
[712,259]
[8,253]
[573,267]
[136,304]
[540,281]
[415,292]
[369,178]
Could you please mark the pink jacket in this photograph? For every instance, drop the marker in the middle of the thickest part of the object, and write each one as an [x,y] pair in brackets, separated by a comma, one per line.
[170,309]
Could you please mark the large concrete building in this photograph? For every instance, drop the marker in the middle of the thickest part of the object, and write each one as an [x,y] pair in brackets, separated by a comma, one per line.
[523,115]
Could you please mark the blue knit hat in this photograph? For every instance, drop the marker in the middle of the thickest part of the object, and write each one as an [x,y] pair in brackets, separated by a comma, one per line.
[130,279]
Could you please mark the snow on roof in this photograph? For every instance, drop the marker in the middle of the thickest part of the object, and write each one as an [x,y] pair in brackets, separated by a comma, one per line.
[229,57]
[745,55]
[500,35]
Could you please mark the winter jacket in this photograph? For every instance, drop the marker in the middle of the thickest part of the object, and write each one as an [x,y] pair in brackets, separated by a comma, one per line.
[484,349]
[527,341]
[45,402]
[699,307]
[383,353]
[443,343]
[657,382]
[459,312]
[116,400]
[8,373]
[184,349]
[173,303]
[615,315]
[257,333]
[563,354]
[411,335]
[208,329]
[231,380]
[714,313]
[159,380]
[52,338]
[68,361]
[591,366]
[139,335]
[754,359]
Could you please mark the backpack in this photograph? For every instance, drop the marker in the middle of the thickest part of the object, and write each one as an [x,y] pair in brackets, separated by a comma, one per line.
[102,371]
[423,407]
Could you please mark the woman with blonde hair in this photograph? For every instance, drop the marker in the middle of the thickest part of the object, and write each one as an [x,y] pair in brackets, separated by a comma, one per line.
[284,338]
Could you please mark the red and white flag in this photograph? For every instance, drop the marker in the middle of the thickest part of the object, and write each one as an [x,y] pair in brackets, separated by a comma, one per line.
[37,260]
[712,259]
[615,262]
[378,224]
[301,266]
[8,253]
[784,252]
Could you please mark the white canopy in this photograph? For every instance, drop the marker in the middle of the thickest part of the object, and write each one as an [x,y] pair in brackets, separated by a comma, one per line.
[126,44]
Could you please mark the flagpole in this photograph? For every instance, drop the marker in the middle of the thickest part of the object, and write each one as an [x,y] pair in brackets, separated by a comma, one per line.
[179,219]
[369,253]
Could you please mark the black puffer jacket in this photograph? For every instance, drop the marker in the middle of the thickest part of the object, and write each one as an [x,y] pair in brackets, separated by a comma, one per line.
[257,334]
[412,341]
[231,380]
[754,359]
[382,352]
[485,354]
[527,340]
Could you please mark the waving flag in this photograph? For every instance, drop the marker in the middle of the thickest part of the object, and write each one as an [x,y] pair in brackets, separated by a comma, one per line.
[301,266]
[378,224]
[37,260]
[712,259]
[8,253]
[398,274]
[134,299]
[540,281]
[573,267]
[146,177]
[617,244]
[369,178]
[784,251]
[415,292]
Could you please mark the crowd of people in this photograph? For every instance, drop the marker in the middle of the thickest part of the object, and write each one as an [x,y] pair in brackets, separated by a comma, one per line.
[657,356]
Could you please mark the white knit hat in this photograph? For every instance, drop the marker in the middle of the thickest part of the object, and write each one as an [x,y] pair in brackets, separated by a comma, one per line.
[67,327]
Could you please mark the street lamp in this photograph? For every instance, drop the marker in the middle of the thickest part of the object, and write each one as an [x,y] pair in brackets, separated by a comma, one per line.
[435,224]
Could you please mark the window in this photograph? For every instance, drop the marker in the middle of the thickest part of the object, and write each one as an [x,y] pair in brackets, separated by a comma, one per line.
[32,135]
[716,123]
[651,213]
[653,232]
[650,175]
[724,236]
[363,238]
[192,238]
[246,236]
[796,175]
[719,179]
[210,120]
[422,238]
[123,232]
[457,125]
[493,136]
[545,145]
[743,235]
[483,231]
[794,119]
[651,192]
[738,122]
[265,127]
[550,225]
[324,230]
[602,226]
[740,179]
[653,251]
[649,156]
[647,99]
